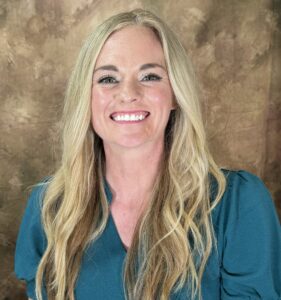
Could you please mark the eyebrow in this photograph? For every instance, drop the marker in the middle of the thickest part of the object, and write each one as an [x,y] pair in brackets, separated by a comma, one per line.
[107,68]
[151,65]
[143,67]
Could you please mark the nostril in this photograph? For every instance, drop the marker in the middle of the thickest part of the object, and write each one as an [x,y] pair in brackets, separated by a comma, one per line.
[130,92]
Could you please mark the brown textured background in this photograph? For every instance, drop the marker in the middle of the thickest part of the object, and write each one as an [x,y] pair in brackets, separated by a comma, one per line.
[235,46]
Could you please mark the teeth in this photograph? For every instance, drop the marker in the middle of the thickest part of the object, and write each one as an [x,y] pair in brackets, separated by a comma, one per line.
[128,117]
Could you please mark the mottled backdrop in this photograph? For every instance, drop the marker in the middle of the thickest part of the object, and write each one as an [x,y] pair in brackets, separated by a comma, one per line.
[235,46]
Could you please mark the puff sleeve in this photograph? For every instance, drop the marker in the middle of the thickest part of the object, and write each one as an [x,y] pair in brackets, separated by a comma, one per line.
[31,241]
[251,255]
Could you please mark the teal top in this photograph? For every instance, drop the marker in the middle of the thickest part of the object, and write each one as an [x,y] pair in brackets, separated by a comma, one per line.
[247,265]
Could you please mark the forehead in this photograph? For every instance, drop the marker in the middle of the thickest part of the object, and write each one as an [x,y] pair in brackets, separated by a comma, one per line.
[133,43]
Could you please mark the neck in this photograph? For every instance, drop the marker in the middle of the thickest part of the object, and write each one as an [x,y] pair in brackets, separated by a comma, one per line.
[131,173]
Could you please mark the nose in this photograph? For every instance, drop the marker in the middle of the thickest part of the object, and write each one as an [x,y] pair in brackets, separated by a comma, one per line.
[129,91]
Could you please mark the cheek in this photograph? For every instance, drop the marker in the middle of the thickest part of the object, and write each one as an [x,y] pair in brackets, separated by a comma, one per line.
[99,103]
[101,100]
[161,97]
[98,99]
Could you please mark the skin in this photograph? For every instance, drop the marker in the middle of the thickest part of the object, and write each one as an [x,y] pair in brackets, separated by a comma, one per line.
[131,76]
[133,151]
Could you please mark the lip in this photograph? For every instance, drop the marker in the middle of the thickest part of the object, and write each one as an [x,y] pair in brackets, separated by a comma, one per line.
[128,112]
[124,112]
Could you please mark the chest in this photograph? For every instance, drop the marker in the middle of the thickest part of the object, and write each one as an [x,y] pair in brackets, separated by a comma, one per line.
[125,221]
[101,275]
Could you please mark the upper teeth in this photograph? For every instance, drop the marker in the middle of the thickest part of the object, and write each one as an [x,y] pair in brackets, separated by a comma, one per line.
[128,117]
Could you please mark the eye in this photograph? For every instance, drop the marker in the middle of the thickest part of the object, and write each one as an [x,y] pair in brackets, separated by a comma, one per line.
[151,77]
[107,80]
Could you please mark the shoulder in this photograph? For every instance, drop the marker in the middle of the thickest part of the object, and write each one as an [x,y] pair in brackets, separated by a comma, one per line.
[245,209]
[38,190]
[246,203]
[244,180]
[31,240]
[32,213]
[35,199]
[245,193]
[249,239]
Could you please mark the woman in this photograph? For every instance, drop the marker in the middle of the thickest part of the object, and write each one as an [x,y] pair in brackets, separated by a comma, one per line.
[138,207]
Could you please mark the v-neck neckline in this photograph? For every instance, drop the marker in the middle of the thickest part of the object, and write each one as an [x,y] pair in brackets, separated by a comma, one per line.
[108,194]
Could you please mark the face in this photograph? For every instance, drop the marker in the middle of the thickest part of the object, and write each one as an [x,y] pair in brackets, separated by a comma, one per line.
[131,93]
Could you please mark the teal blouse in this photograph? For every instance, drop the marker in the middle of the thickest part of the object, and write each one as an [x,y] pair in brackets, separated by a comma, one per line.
[246,266]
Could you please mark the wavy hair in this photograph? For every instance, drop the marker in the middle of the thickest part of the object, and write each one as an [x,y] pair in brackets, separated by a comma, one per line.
[174,237]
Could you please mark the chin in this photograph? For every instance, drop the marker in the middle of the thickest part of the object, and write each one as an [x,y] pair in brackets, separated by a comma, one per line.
[132,142]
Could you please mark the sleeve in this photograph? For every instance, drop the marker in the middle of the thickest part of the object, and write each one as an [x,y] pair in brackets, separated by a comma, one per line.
[251,260]
[31,241]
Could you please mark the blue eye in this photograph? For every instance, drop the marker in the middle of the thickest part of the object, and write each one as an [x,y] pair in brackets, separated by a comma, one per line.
[151,77]
[107,80]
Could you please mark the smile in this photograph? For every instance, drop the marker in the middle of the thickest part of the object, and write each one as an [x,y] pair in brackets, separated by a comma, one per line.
[129,117]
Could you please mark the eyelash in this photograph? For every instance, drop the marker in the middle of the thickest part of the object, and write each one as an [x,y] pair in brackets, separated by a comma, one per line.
[156,77]
[104,79]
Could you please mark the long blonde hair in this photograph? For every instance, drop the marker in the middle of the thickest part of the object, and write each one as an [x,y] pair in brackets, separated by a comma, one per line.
[174,237]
